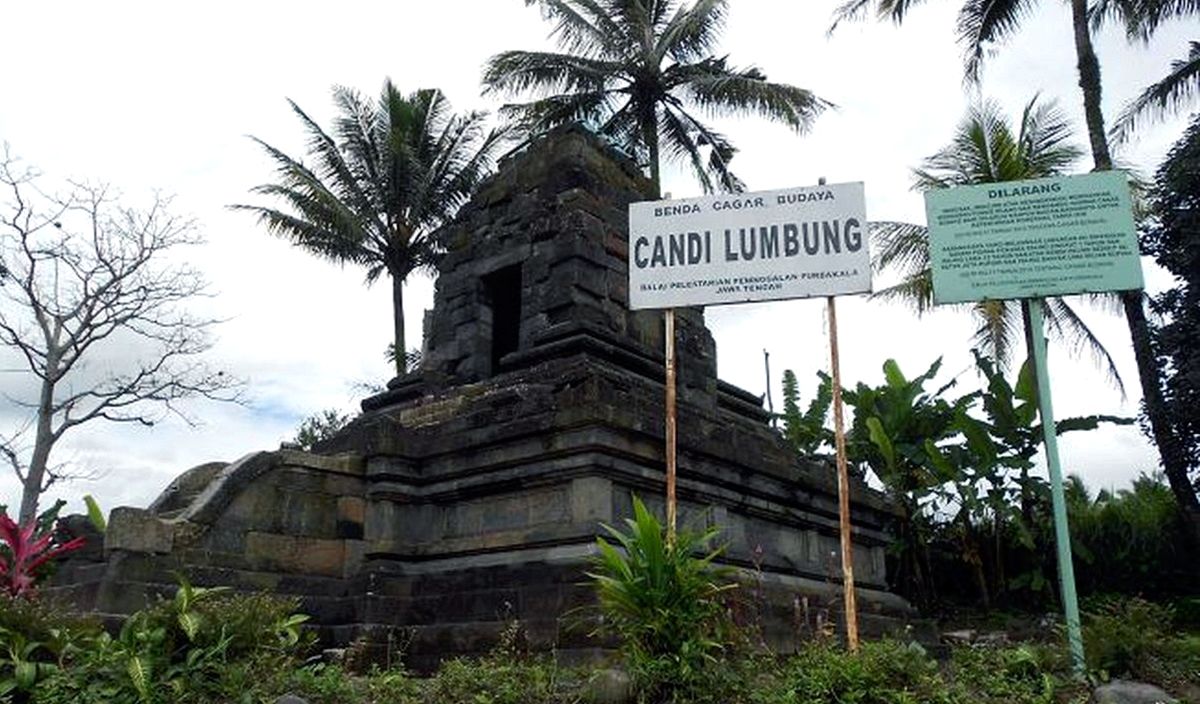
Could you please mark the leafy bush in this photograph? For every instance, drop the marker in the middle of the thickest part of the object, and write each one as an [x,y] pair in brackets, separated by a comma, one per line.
[663,603]
[1135,638]
[35,639]
[495,680]
[1023,674]
[331,684]
[1121,635]
[320,426]
[883,672]
[203,645]
[507,675]
[1131,540]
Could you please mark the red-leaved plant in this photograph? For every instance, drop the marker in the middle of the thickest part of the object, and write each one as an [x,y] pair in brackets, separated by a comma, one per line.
[22,552]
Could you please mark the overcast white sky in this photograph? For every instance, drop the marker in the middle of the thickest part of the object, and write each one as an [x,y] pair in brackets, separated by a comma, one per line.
[162,95]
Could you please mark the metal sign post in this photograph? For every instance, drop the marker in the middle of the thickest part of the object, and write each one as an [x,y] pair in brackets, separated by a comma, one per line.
[1027,240]
[1062,533]
[839,435]
[669,334]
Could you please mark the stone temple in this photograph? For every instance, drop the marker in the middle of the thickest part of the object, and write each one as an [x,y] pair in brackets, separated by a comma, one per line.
[470,492]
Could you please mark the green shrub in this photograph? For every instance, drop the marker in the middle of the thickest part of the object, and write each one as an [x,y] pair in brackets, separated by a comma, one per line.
[1023,674]
[884,672]
[1121,636]
[327,683]
[203,645]
[495,681]
[36,637]
[507,675]
[663,602]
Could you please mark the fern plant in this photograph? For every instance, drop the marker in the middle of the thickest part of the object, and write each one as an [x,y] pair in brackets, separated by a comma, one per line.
[805,430]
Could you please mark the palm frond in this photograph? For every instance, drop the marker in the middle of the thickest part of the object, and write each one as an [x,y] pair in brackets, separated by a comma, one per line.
[982,23]
[681,145]
[1045,141]
[583,27]
[1068,328]
[457,184]
[589,108]
[853,10]
[717,88]
[999,329]
[312,198]
[1101,12]
[1143,17]
[332,169]
[721,150]
[640,20]
[513,72]
[1162,99]
[902,245]
[307,235]
[915,291]
[691,35]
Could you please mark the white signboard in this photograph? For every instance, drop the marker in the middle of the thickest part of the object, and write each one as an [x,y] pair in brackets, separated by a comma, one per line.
[733,248]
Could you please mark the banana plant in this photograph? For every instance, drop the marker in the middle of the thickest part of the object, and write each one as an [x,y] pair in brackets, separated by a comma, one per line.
[908,437]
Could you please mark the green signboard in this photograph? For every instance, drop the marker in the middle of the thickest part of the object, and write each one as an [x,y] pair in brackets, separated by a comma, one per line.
[1027,239]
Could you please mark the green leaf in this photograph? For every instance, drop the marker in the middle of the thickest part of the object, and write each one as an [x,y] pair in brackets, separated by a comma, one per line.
[95,514]
[139,674]
[190,622]
[882,442]
[940,463]
[893,375]
[25,673]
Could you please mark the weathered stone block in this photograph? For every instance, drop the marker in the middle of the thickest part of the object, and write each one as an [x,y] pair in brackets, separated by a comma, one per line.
[342,463]
[288,553]
[138,530]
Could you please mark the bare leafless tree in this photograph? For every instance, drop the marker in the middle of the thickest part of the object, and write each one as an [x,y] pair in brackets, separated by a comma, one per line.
[92,300]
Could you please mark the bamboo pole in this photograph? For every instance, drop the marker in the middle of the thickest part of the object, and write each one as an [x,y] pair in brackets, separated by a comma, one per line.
[839,434]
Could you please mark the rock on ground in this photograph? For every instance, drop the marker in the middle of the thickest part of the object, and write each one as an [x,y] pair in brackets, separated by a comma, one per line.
[1122,692]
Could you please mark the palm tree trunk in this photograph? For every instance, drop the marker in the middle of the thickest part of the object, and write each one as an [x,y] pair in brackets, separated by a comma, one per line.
[650,134]
[1027,326]
[398,321]
[1174,464]
[1089,83]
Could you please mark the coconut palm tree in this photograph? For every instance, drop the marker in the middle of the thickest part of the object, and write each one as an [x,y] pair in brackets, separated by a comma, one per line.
[985,149]
[982,24]
[634,70]
[391,172]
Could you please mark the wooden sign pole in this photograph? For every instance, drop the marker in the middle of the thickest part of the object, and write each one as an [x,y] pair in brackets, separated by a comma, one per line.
[839,435]
[669,334]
